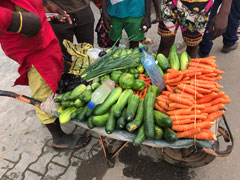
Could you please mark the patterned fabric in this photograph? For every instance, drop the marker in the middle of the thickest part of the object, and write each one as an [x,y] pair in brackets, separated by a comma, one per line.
[190,16]
[102,35]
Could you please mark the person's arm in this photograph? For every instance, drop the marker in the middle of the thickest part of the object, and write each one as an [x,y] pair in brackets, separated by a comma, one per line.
[146,23]
[51,7]
[106,17]
[156,4]
[219,23]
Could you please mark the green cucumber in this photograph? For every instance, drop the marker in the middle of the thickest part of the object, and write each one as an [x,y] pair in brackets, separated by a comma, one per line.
[100,120]
[136,123]
[121,122]
[58,99]
[148,105]
[89,112]
[77,91]
[132,106]
[111,99]
[162,119]
[122,101]
[173,57]
[65,116]
[66,95]
[90,123]
[159,133]
[170,135]
[111,122]
[163,62]
[78,103]
[67,104]
[82,115]
[75,114]
[95,85]
[154,89]
[184,60]
[140,136]
[86,96]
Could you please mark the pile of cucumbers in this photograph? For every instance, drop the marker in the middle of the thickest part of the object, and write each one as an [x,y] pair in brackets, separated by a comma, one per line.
[122,110]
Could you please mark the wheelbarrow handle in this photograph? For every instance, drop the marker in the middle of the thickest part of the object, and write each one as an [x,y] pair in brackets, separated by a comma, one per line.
[20,97]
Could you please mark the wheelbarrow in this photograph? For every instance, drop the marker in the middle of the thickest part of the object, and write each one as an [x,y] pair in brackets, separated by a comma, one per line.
[182,153]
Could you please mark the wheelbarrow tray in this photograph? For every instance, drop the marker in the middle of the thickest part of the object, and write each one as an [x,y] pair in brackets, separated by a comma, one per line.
[123,135]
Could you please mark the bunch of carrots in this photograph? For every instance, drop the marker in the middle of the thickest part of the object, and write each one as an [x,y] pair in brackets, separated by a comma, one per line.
[193,99]
[147,82]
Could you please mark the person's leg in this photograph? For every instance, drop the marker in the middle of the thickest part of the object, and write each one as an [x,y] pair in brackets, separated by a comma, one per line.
[40,91]
[205,45]
[115,33]
[165,45]
[132,26]
[192,51]
[230,36]
[84,29]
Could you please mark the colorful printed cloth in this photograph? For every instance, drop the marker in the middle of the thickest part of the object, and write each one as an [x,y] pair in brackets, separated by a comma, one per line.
[190,15]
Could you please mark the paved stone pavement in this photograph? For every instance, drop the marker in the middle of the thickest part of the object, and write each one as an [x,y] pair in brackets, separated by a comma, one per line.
[26,152]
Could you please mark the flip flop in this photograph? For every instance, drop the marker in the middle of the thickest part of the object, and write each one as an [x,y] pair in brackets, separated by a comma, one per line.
[72,141]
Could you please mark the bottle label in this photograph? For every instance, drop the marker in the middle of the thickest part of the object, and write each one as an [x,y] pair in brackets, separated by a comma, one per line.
[148,62]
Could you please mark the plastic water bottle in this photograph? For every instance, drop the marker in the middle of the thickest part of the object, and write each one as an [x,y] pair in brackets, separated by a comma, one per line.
[101,93]
[151,67]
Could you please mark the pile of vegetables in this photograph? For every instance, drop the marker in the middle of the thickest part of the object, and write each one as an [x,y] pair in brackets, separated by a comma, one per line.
[187,108]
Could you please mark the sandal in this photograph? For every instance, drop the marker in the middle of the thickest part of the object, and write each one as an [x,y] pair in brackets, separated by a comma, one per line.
[72,141]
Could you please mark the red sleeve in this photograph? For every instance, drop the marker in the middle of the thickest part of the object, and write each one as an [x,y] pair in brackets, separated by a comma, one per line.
[5,20]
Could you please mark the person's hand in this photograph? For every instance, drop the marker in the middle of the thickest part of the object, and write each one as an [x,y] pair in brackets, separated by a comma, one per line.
[28,25]
[218,26]
[107,21]
[53,8]
[146,24]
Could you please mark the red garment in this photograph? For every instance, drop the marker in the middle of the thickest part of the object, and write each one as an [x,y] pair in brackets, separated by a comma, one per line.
[42,51]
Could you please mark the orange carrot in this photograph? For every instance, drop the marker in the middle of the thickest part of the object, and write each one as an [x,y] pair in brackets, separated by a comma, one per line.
[172,71]
[179,112]
[205,124]
[205,136]
[213,108]
[178,99]
[213,116]
[199,106]
[169,88]
[207,98]
[191,116]
[162,97]
[188,133]
[182,122]
[226,101]
[177,105]
[185,88]
[195,111]
[209,131]
[217,101]
[159,108]
[174,80]
[199,90]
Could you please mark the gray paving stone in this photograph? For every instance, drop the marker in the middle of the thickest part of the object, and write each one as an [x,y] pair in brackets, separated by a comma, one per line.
[63,158]
[29,175]
[71,170]
[5,178]
[44,159]
[5,166]
[53,172]
[88,151]
[17,171]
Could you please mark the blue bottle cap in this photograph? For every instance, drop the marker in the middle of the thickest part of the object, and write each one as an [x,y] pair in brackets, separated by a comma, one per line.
[141,48]
[91,105]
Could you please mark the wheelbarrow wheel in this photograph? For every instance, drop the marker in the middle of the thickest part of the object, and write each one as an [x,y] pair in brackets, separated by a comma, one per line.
[186,157]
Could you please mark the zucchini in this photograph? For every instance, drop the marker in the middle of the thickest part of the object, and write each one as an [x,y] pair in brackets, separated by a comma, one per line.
[77,91]
[140,136]
[154,89]
[75,114]
[86,96]
[90,123]
[121,122]
[132,106]
[65,116]
[162,119]
[66,95]
[100,120]
[159,133]
[58,99]
[184,60]
[173,58]
[163,62]
[148,106]
[78,103]
[89,112]
[170,135]
[111,122]
[67,104]
[95,85]
[82,115]
[111,99]
[60,110]
[136,123]
[122,101]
